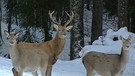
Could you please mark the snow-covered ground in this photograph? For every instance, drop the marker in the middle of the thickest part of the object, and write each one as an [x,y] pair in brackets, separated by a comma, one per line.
[75,67]
[61,68]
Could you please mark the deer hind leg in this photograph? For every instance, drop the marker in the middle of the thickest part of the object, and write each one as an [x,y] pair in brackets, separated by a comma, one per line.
[15,73]
[119,73]
[34,73]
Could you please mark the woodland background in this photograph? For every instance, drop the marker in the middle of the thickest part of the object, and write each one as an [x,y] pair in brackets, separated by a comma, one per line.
[32,15]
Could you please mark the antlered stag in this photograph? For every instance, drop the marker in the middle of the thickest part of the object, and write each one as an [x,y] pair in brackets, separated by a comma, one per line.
[29,57]
[107,64]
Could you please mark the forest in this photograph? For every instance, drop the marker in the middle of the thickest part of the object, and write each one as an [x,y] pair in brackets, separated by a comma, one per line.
[32,16]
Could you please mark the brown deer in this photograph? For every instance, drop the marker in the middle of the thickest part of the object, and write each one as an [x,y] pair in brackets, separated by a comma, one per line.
[29,57]
[107,64]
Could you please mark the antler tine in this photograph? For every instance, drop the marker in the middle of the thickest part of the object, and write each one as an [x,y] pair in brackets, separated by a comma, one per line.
[70,18]
[50,14]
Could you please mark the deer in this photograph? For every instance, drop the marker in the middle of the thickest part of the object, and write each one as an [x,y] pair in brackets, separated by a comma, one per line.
[29,57]
[107,64]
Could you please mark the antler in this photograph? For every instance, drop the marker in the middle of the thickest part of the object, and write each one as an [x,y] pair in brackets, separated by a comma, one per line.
[70,18]
[55,22]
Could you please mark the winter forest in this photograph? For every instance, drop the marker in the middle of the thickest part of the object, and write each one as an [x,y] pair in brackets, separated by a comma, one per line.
[91,25]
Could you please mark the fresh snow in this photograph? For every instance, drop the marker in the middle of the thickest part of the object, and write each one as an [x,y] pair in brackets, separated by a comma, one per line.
[61,68]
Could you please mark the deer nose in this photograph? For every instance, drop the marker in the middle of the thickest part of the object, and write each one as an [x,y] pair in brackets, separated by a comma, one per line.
[12,42]
[127,46]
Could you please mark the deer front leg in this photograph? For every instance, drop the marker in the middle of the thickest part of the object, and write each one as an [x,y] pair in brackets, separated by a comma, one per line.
[15,73]
[49,70]
[34,73]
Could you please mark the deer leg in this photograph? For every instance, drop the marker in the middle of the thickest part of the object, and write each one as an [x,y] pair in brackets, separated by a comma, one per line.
[89,69]
[15,73]
[43,69]
[107,74]
[34,73]
[49,70]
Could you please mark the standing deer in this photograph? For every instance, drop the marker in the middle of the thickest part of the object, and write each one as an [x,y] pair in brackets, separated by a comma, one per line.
[29,57]
[107,64]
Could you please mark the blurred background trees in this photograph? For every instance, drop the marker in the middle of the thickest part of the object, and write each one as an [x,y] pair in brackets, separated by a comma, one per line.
[32,16]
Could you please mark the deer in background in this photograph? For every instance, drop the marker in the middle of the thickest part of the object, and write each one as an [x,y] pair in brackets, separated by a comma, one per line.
[107,64]
[29,57]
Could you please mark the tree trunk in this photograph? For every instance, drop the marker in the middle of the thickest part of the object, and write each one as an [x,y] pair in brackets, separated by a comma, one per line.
[0,20]
[9,23]
[45,25]
[97,19]
[131,15]
[133,23]
[77,38]
[88,4]
[122,13]
[10,11]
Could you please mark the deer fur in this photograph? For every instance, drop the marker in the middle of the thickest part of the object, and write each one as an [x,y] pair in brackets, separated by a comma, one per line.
[29,57]
[107,64]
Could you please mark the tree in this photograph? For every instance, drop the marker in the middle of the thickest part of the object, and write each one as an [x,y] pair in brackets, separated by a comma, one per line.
[111,7]
[77,39]
[131,15]
[96,19]
[31,14]
[9,8]
[0,20]
[122,13]
[88,4]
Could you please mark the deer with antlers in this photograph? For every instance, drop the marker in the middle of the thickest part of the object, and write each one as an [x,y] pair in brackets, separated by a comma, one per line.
[29,57]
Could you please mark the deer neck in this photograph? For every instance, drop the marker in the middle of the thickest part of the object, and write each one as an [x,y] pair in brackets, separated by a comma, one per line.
[13,51]
[124,56]
[58,44]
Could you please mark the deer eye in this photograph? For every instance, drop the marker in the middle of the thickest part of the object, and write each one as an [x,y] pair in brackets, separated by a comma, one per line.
[59,29]
[7,38]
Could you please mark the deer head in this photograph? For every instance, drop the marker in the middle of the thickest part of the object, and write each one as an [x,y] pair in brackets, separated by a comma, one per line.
[62,29]
[126,42]
[12,37]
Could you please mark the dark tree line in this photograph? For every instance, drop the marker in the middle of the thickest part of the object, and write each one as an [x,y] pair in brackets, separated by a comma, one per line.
[34,14]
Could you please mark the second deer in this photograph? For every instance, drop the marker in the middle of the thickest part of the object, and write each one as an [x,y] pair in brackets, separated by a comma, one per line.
[29,57]
[107,64]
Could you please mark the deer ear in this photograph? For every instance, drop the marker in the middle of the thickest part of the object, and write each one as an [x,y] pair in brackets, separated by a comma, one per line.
[129,37]
[6,33]
[69,27]
[55,26]
[18,34]
[120,37]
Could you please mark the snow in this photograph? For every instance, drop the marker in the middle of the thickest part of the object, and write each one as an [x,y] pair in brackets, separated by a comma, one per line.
[75,67]
[61,68]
